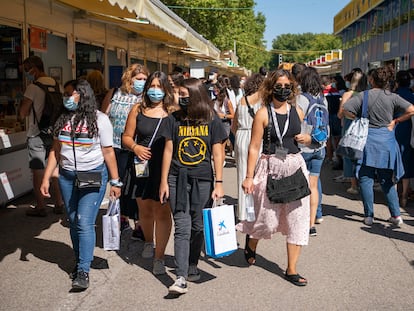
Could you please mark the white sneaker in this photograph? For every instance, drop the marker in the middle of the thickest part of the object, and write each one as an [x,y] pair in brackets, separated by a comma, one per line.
[148,251]
[369,221]
[193,273]
[158,267]
[352,190]
[396,221]
[318,220]
[179,286]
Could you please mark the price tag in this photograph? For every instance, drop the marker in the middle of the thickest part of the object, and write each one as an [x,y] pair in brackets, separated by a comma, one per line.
[6,184]
[5,139]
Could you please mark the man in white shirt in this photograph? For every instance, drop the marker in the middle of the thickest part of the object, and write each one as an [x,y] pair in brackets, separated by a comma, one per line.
[38,147]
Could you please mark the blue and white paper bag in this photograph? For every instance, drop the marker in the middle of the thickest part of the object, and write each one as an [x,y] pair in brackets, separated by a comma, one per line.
[219,231]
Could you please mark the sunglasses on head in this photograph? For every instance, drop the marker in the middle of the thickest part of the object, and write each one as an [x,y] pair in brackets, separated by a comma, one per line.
[279,86]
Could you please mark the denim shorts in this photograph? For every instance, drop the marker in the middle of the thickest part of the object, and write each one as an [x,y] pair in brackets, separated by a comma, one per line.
[314,161]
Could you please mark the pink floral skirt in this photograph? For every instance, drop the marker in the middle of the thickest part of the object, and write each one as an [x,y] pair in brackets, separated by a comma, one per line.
[291,219]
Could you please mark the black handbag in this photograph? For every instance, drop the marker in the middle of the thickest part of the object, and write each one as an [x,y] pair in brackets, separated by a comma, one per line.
[88,179]
[91,179]
[286,189]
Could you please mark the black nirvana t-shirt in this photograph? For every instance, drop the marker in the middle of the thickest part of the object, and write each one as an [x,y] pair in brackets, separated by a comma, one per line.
[192,145]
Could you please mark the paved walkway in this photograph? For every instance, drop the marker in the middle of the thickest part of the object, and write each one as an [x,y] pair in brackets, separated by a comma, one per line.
[349,266]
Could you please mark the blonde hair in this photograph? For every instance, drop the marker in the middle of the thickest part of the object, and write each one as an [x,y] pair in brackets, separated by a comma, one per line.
[96,80]
[129,73]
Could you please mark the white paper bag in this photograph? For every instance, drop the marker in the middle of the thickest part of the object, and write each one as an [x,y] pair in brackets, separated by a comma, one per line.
[111,226]
[220,232]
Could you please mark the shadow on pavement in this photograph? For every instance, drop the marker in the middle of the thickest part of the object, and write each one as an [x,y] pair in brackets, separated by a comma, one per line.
[389,232]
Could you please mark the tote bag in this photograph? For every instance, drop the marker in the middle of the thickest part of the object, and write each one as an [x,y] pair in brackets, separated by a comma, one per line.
[219,231]
[352,144]
[111,226]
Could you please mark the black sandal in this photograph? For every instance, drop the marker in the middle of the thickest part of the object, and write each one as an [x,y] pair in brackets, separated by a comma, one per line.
[296,279]
[248,252]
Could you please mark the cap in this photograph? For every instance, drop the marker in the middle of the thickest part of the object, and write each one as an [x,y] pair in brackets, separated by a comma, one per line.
[213,70]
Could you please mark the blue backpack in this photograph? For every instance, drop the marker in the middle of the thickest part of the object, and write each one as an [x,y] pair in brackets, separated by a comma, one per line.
[317,115]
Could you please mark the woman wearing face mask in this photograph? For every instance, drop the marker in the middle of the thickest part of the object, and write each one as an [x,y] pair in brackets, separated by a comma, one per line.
[117,105]
[145,123]
[187,174]
[83,142]
[280,156]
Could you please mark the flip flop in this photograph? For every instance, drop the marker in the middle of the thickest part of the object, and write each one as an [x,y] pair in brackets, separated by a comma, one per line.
[296,279]
[248,252]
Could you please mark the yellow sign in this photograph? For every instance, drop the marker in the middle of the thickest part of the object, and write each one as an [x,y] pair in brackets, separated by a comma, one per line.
[352,12]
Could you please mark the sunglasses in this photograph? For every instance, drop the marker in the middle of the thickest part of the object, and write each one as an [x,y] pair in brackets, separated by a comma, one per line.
[279,86]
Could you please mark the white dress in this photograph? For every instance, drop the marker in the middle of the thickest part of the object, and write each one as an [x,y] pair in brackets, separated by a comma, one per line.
[243,135]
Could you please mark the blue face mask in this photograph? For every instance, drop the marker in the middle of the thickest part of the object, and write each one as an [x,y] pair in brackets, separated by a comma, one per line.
[139,86]
[29,76]
[155,95]
[333,85]
[69,103]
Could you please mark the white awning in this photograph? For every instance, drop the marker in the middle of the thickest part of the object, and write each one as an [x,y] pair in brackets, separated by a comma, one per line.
[150,19]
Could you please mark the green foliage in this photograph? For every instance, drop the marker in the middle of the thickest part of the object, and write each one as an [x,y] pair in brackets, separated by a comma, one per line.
[225,27]
[308,46]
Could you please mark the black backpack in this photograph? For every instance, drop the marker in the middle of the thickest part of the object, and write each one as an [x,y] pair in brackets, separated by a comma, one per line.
[52,109]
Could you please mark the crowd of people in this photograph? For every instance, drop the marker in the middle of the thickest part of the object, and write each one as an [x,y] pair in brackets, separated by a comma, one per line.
[181,129]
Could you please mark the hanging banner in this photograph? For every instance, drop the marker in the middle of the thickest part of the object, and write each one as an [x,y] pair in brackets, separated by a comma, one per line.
[38,39]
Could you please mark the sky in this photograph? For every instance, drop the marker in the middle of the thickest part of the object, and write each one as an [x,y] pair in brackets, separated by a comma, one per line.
[298,16]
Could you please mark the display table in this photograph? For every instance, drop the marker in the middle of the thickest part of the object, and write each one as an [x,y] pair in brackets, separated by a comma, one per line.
[15,175]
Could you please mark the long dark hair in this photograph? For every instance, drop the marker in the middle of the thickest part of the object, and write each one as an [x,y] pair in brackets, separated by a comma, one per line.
[310,81]
[168,100]
[85,113]
[199,110]
[267,87]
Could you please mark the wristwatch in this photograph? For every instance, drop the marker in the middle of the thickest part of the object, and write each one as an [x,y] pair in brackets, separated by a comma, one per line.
[116,183]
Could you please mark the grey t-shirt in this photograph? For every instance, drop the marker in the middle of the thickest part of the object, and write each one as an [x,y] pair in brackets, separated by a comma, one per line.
[382,106]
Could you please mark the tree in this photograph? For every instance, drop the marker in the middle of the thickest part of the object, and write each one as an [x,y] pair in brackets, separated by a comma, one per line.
[302,47]
[226,28]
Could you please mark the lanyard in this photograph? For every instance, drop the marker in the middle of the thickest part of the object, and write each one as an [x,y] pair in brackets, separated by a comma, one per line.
[276,124]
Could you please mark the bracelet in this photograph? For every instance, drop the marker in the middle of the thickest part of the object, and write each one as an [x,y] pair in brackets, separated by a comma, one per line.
[133,146]
[249,177]
[219,181]
[116,183]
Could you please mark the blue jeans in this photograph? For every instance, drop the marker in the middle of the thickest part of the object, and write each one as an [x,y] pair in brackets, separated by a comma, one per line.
[82,207]
[314,161]
[366,183]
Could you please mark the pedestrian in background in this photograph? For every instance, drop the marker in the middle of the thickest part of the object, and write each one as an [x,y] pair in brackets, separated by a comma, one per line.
[382,157]
[96,80]
[242,126]
[82,142]
[38,145]
[314,154]
[117,106]
[403,132]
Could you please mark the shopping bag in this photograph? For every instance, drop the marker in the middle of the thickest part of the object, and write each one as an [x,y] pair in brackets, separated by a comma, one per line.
[219,231]
[111,226]
[352,144]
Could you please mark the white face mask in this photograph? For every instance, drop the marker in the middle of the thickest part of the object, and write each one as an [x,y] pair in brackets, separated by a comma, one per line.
[211,77]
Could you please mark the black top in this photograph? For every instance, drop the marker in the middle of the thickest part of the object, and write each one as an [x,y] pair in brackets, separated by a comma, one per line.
[148,188]
[193,145]
[289,141]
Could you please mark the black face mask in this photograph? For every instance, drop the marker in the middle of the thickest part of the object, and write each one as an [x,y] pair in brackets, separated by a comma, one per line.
[183,102]
[281,94]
